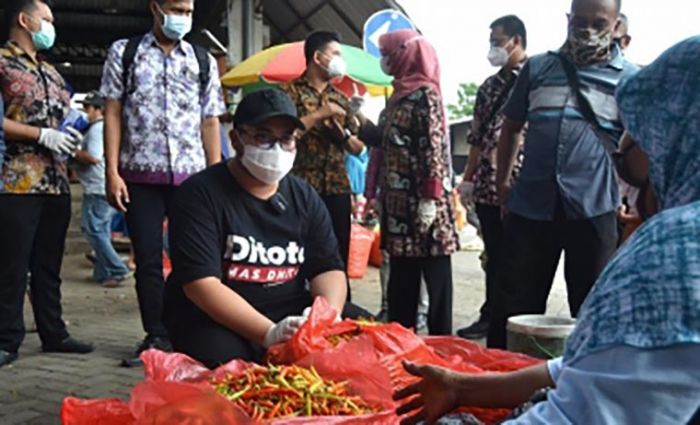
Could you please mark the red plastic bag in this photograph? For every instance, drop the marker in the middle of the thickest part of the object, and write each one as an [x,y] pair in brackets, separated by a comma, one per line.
[375,355]
[176,390]
[375,255]
[458,352]
[162,402]
[103,411]
[357,359]
[391,344]
[167,265]
[313,337]
[360,246]
[466,356]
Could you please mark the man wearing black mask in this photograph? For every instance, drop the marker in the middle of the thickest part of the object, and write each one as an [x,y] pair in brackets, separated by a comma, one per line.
[566,195]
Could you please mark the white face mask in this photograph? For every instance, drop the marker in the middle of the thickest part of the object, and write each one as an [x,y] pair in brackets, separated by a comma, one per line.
[176,27]
[498,56]
[45,37]
[268,165]
[337,67]
[384,64]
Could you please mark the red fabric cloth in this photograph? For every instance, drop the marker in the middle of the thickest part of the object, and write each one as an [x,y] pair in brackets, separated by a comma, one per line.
[413,63]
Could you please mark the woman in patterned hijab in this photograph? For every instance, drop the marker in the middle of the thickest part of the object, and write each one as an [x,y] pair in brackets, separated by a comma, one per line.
[634,356]
[417,220]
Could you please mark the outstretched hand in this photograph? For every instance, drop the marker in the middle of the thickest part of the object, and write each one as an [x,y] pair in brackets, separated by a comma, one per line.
[429,399]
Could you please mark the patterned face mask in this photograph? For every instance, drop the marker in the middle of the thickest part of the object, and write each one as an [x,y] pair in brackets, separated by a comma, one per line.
[586,47]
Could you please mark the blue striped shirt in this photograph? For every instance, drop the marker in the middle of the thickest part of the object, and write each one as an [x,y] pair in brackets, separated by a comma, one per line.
[564,158]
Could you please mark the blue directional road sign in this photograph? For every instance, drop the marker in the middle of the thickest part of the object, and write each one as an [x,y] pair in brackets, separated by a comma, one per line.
[380,23]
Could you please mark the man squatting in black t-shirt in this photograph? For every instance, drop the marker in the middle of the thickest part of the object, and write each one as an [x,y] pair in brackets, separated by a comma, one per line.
[245,238]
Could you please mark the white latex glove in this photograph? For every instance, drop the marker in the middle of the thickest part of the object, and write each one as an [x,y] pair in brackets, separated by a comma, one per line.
[356,101]
[466,191]
[79,140]
[60,142]
[427,211]
[307,311]
[283,330]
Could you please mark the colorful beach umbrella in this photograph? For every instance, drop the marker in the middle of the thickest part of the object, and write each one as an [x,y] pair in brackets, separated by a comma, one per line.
[285,62]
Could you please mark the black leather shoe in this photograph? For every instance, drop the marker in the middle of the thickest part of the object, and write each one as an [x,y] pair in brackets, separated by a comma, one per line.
[6,357]
[69,345]
[156,342]
[476,330]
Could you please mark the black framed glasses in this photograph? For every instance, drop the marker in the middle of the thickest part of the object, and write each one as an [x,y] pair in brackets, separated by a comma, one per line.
[265,140]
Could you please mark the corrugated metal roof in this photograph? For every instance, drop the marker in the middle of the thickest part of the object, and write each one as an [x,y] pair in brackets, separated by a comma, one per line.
[86,28]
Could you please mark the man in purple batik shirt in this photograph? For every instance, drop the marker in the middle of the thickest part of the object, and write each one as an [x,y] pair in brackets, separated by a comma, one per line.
[161,126]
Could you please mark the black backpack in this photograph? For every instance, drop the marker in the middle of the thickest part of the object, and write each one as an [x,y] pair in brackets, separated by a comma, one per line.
[130,53]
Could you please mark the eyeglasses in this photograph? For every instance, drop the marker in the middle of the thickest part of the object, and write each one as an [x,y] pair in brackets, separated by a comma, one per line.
[265,140]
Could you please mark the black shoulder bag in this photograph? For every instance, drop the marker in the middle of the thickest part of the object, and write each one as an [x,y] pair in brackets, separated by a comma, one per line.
[609,142]
[129,55]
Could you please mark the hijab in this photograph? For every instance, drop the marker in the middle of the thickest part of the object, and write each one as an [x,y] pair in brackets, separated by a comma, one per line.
[413,63]
[660,108]
[649,295]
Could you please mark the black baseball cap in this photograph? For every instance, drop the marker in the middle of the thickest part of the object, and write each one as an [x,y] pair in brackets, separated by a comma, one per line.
[261,105]
[94,98]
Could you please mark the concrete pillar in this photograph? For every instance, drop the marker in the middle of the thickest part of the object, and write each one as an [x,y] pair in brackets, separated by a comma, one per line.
[248,28]
[234,20]
[245,29]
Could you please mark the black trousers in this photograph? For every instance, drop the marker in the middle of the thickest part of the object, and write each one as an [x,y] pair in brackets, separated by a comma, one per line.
[213,344]
[32,239]
[529,258]
[404,291]
[340,209]
[145,214]
[492,233]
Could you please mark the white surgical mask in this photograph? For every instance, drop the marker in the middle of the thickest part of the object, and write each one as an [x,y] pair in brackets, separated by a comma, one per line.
[384,64]
[498,56]
[337,67]
[268,165]
[176,27]
[45,37]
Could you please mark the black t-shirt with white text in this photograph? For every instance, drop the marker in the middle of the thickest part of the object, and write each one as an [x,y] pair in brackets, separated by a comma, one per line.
[265,250]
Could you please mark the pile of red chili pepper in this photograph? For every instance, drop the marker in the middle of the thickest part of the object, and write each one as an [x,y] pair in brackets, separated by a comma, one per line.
[349,329]
[272,392]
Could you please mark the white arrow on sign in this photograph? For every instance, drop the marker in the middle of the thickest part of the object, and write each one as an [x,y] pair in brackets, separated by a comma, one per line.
[374,38]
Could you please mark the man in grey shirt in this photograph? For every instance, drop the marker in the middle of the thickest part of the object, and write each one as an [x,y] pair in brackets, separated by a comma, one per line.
[97,214]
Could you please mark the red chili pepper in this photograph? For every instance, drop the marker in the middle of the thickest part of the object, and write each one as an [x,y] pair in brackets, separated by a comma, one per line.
[282,391]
